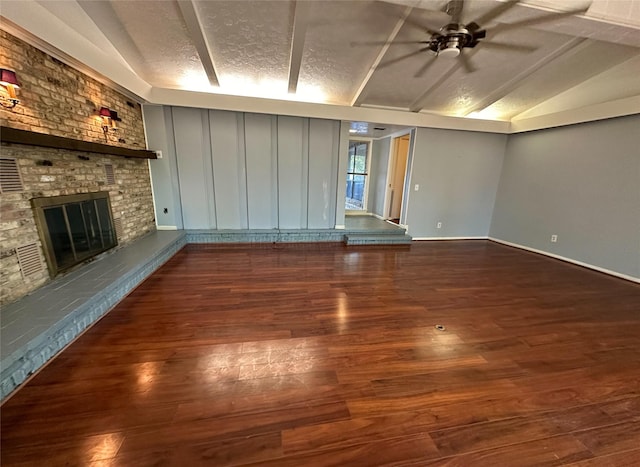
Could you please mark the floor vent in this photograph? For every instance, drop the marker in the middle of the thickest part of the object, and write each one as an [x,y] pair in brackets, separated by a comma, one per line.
[111,178]
[117,223]
[10,179]
[29,259]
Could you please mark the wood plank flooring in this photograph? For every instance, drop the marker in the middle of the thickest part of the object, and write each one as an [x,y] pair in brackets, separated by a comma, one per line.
[321,355]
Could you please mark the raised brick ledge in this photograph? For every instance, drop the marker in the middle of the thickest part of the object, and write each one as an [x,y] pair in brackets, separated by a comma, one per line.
[37,327]
[265,236]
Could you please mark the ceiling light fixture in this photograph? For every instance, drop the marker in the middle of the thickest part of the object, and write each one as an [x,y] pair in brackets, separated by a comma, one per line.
[451,48]
[9,83]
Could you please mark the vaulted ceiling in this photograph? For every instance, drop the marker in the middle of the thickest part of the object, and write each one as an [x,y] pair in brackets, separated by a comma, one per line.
[348,53]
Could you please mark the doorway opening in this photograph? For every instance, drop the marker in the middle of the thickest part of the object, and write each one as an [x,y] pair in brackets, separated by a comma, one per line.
[396,178]
[357,172]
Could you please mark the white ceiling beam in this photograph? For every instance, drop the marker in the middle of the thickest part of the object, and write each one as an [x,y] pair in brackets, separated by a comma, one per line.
[300,24]
[194,27]
[357,97]
[205,100]
[517,81]
[105,18]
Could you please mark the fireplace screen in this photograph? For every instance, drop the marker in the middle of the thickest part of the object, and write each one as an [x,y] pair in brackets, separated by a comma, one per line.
[74,228]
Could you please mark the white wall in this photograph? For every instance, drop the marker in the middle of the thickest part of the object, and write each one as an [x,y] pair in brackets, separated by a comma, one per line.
[579,182]
[233,170]
[378,170]
[458,174]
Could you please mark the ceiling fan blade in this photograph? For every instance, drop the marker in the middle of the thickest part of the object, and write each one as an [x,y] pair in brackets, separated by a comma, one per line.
[423,69]
[400,58]
[494,12]
[420,26]
[466,63]
[357,43]
[508,46]
[481,34]
[454,9]
[538,20]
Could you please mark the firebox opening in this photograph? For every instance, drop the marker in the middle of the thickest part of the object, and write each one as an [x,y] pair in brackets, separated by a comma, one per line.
[74,228]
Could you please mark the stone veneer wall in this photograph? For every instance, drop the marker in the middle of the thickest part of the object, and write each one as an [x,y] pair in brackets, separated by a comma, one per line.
[57,99]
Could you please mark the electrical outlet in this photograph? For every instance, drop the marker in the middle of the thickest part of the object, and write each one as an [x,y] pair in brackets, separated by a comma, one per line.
[439,225]
[554,238]
[159,154]
[417,187]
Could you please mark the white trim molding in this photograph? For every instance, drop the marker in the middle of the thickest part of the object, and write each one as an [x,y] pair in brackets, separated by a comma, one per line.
[166,227]
[448,238]
[568,260]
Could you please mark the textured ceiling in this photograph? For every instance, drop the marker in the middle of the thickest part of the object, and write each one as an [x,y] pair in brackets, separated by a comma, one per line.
[322,51]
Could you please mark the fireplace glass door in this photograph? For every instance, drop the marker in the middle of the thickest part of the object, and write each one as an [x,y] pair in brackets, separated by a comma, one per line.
[74,228]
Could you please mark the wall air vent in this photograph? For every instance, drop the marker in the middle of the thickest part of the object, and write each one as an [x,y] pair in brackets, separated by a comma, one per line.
[29,259]
[111,178]
[117,223]
[10,179]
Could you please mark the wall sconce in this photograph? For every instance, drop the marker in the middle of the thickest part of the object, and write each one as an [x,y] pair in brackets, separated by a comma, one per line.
[109,119]
[9,82]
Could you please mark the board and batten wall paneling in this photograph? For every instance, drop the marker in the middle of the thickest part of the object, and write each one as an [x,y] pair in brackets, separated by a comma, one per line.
[193,151]
[229,169]
[323,173]
[293,171]
[262,170]
[237,170]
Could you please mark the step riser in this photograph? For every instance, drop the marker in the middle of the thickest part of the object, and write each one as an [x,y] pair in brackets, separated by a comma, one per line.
[377,240]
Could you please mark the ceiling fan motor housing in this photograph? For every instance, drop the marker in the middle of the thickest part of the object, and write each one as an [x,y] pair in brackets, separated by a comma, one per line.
[456,37]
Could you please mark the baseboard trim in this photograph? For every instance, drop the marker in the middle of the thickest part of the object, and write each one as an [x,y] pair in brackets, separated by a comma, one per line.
[450,238]
[568,260]
[166,227]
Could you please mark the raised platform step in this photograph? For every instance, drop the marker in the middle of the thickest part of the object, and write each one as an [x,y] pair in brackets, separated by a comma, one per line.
[377,239]
[265,236]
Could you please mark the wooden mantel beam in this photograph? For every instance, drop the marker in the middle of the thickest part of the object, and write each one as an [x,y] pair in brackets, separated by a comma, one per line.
[15,136]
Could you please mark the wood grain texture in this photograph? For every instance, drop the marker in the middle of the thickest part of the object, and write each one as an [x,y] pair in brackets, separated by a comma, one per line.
[326,355]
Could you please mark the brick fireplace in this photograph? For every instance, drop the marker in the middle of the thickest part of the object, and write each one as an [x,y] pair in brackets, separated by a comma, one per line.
[58,101]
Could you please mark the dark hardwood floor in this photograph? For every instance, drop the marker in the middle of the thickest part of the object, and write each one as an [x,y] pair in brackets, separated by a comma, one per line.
[306,355]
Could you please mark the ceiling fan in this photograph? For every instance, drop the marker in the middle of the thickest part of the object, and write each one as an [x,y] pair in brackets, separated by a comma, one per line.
[456,36]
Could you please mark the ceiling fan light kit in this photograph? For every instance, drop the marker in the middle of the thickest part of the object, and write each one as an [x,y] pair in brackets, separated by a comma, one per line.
[449,51]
